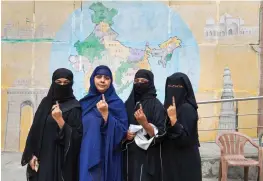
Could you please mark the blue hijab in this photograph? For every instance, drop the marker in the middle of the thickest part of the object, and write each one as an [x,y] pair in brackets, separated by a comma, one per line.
[114,130]
[94,96]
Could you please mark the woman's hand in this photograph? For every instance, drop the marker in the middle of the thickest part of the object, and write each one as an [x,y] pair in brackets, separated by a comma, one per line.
[33,163]
[171,111]
[130,135]
[103,108]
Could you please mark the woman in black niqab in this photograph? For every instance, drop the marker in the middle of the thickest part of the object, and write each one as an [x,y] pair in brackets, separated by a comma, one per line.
[144,109]
[55,135]
[180,148]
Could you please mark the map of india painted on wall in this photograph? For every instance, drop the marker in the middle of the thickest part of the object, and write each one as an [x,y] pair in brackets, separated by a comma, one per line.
[126,37]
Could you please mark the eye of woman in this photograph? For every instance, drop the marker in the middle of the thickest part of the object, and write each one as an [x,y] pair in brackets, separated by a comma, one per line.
[176,86]
[62,82]
[98,76]
[140,80]
[106,77]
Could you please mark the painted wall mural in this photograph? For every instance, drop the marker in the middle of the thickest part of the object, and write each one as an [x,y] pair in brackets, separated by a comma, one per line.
[228,26]
[162,37]
[120,35]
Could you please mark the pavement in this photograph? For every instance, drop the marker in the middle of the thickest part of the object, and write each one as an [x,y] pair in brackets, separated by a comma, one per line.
[13,171]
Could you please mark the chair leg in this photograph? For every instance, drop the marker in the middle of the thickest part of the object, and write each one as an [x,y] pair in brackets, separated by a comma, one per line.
[246,169]
[260,174]
[224,171]
[220,171]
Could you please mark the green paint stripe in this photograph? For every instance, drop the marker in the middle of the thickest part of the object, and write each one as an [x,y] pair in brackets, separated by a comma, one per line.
[37,40]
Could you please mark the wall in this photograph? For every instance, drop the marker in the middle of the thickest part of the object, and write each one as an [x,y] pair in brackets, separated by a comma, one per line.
[200,38]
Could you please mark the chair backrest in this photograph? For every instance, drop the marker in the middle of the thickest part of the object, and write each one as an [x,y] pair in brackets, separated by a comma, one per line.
[232,143]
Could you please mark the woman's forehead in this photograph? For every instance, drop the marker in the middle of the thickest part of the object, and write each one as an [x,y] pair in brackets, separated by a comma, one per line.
[62,79]
[140,78]
[103,71]
[144,74]
[177,80]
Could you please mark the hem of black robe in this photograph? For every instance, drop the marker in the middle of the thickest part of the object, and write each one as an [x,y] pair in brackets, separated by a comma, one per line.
[26,160]
[65,136]
[27,154]
[30,174]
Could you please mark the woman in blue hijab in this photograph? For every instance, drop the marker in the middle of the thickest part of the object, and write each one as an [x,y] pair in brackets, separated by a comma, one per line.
[105,125]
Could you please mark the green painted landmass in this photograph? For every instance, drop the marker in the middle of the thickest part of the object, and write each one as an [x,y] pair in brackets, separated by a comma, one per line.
[168,57]
[90,48]
[35,40]
[123,68]
[102,14]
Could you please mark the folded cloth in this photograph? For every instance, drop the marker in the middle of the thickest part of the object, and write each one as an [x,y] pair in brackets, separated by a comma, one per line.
[140,138]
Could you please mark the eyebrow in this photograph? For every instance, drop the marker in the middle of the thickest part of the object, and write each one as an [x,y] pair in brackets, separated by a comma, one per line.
[175,85]
[141,79]
[62,80]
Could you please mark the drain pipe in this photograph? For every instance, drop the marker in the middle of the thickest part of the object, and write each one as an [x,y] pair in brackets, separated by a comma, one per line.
[260,52]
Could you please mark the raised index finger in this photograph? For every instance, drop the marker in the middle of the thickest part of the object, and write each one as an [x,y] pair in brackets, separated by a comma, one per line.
[57,104]
[173,101]
[53,107]
[103,97]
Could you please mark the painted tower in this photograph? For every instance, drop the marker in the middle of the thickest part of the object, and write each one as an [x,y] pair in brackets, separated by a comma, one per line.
[227,119]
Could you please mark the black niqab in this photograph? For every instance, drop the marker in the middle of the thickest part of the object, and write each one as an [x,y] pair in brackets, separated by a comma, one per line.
[180,151]
[140,92]
[179,86]
[60,93]
[139,164]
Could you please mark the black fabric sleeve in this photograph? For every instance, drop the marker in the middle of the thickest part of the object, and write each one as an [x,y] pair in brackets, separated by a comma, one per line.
[183,132]
[159,120]
[71,134]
